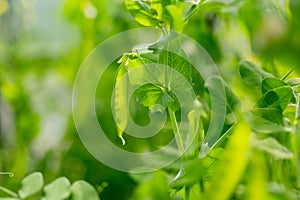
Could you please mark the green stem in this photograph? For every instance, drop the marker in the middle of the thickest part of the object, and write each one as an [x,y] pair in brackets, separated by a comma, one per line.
[176,131]
[296,133]
[187,192]
[9,192]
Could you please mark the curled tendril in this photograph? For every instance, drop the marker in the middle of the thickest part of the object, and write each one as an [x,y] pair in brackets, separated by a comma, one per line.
[7,173]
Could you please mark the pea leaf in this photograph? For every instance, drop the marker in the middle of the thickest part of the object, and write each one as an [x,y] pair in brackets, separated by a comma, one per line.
[83,190]
[155,98]
[251,74]
[177,19]
[271,83]
[58,189]
[271,114]
[147,13]
[261,125]
[273,147]
[278,98]
[31,185]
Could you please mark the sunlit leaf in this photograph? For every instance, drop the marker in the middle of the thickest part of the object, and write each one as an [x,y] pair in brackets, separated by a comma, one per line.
[31,185]
[176,12]
[83,190]
[58,189]
[147,13]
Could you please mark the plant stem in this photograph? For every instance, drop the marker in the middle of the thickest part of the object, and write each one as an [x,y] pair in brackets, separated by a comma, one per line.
[296,133]
[187,192]
[9,192]
[176,131]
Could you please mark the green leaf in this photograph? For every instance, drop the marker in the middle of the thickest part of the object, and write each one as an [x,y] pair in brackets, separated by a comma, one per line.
[155,98]
[31,185]
[251,74]
[175,61]
[232,165]
[176,12]
[154,188]
[271,114]
[82,190]
[195,169]
[278,98]
[147,13]
[273,147]
[160,84]
[261,125]
[294,81]
[271,83]
[58,189]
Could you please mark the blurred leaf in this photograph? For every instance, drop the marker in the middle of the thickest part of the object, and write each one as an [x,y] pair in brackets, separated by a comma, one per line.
[194,170]
[232,165]
[271,83]
[294,81]
[251,74]
[58,189]
[83,190]
[31,185]
[256,177]
[273,147]
[277,191]
[154,188]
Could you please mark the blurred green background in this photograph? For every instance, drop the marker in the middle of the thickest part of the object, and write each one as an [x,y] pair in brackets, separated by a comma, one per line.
[43,43]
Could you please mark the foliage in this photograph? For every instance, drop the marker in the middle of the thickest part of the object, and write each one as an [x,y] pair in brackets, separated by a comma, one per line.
[32,187]
[254,43]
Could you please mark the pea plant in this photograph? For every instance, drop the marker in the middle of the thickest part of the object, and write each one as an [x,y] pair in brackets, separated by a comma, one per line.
[256,155]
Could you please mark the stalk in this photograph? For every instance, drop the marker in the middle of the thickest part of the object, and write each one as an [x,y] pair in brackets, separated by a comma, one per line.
[296,134]
[9,192]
